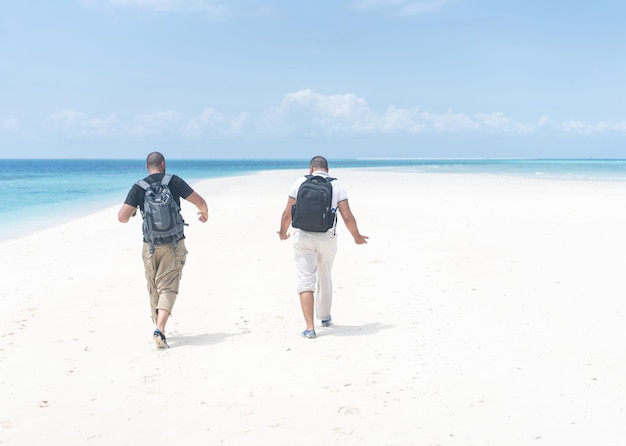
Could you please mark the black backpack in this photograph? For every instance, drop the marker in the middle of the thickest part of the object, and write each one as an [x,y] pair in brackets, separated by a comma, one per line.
[313,210]
[162,221]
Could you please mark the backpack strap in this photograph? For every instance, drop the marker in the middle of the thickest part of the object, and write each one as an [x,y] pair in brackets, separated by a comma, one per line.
[166,179]
[143,184]
[334,211]
[327,179]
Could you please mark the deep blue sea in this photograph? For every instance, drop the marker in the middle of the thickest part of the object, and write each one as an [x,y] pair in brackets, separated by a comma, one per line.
[38,193]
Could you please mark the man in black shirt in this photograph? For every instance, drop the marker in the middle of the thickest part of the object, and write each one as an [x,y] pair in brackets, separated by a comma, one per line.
[163,262]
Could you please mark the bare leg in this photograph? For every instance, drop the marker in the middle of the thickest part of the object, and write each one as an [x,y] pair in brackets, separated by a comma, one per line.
[162,317]
[306,301]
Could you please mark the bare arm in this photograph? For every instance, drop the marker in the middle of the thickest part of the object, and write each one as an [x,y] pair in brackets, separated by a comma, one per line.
[350,221]
[198,201]
[285,219]
[125,212]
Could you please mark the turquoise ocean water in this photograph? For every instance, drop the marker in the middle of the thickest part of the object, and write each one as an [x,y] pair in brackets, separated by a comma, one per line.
[41,193]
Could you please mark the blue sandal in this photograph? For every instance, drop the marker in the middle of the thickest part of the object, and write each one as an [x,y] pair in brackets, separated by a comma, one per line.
[159,339]
[309,334]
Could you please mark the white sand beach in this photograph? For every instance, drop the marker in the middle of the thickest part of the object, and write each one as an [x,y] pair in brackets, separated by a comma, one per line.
[484,310]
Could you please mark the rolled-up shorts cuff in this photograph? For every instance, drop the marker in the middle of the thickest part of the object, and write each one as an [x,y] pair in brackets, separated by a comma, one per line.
[166,302]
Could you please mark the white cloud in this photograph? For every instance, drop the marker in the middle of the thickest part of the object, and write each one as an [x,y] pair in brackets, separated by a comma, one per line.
[400,7]
[313,114]
[450,121]
[544,122]
[393,120]
[67,120]
[76,123]
[209,122]
[307,113]
[208,118]
[344,106]
[582,128]
[106,126]
[496,122]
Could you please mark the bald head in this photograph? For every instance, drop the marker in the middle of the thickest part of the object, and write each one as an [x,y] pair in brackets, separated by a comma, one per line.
[318,163]
[155,162]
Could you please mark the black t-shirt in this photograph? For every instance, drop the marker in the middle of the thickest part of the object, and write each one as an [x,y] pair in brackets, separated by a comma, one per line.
[178,187]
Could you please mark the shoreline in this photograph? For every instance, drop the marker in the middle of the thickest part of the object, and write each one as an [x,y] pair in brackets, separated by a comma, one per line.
[90,189]
[483,310]
[20,226]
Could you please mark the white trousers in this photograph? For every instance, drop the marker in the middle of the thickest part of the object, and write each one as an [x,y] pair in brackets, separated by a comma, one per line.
[314,253]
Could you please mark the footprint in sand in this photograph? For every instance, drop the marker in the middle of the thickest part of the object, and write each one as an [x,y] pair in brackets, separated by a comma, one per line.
[148,379]
[343,431]
[345,410]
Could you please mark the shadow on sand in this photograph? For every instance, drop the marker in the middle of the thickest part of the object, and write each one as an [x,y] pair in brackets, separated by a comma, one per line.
[353,330]
[199,340]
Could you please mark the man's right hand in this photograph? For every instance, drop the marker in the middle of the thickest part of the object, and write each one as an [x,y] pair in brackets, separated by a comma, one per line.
[361,239]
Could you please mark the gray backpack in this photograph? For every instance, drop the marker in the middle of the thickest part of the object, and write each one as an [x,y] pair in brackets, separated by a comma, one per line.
[162,222]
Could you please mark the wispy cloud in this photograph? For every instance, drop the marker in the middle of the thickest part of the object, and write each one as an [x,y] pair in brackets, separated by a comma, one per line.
[453,122]
[266,11]
[307,113]
[150,124]
[400,7]
[209,122]
[349,114]
[212,122]
[67,120]
[345,113]
[9,124]
[581,128]
[213,8]
[75,123]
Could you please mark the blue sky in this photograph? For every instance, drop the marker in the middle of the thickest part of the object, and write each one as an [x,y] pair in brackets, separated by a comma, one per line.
[295,78]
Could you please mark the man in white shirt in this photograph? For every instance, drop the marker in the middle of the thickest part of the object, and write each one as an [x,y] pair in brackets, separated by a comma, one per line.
[314,252]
